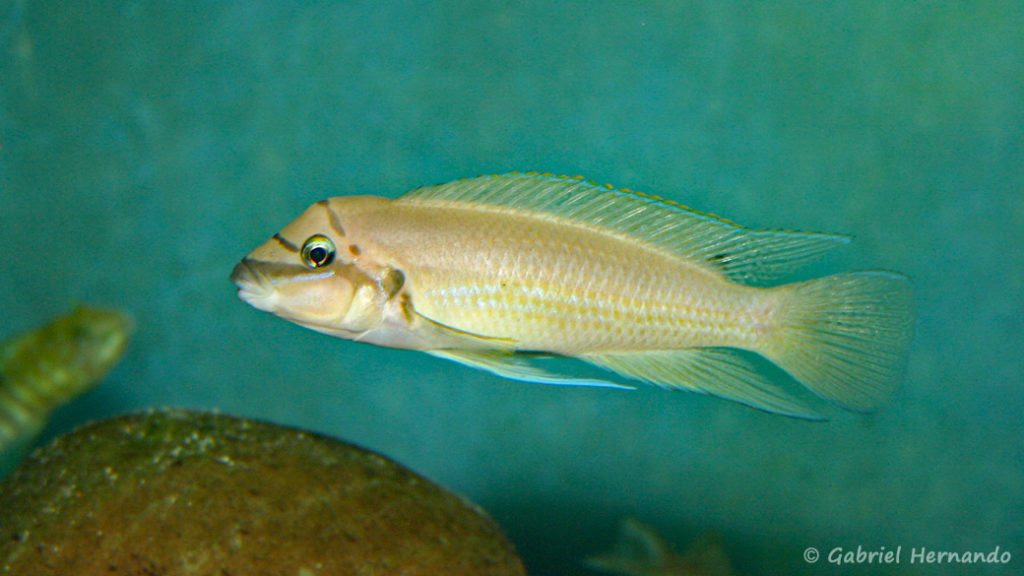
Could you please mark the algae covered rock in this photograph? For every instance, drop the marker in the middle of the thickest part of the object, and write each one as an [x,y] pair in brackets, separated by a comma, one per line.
[175,492]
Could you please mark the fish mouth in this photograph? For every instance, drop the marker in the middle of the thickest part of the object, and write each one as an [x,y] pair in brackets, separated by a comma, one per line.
[253,287]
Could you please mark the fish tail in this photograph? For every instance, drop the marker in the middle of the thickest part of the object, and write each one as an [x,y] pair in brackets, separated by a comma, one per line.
[845,337]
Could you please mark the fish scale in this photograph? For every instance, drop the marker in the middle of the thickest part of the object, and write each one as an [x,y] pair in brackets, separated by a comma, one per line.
[582,276]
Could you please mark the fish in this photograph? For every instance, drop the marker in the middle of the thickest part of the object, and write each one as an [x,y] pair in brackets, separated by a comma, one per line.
[641,551]
[502,272]
[43,369]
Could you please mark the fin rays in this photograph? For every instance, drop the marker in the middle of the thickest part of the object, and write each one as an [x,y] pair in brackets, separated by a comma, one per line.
[516,367]
[846,336]
[720,372]
[742,254]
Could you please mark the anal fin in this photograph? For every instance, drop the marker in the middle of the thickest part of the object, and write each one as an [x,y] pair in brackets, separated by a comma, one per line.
[720,372]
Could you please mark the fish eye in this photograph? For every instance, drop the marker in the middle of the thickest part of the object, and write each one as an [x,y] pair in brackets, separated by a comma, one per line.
[317,251]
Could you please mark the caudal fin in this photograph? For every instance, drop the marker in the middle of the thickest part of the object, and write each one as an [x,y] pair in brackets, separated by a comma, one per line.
[845,337]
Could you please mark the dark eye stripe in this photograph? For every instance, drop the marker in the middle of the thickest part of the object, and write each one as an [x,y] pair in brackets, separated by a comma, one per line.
[286,244]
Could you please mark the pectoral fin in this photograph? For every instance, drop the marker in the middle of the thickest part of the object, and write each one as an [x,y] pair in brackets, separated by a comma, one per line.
[515,367]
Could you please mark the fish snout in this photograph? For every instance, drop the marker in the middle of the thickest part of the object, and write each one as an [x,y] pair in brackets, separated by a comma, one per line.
[253,286]
[243,275]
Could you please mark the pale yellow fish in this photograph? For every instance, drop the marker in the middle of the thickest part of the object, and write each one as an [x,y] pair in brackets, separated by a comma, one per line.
[491,271]
[641,551]
[44,368]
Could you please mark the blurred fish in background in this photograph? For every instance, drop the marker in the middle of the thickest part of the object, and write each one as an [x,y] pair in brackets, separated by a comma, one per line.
[641,551]
[46,368]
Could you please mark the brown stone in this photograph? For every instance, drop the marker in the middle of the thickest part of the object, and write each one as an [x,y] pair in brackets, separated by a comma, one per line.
[174,492]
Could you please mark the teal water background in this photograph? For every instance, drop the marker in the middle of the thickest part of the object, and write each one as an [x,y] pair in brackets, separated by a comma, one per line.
[145,147]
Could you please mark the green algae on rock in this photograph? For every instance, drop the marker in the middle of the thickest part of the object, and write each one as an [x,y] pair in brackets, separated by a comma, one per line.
[177,492]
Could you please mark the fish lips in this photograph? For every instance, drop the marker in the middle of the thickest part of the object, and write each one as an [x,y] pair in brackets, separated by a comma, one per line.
[253,288]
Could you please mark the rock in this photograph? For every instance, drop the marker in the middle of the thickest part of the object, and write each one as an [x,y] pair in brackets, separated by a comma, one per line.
[176,492]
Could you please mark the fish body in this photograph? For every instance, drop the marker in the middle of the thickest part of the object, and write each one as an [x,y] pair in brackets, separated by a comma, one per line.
[641,551]
[492,271]
[42,369]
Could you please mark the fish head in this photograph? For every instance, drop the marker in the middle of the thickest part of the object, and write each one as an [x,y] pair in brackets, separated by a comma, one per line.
[306,274]
[100,335]
[88,343]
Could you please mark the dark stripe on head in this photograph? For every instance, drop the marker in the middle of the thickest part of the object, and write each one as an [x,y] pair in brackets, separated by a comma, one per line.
[286,244]
[332,218]
[273,270]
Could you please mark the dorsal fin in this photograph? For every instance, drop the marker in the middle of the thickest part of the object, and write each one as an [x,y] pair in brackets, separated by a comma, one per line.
[742,254]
